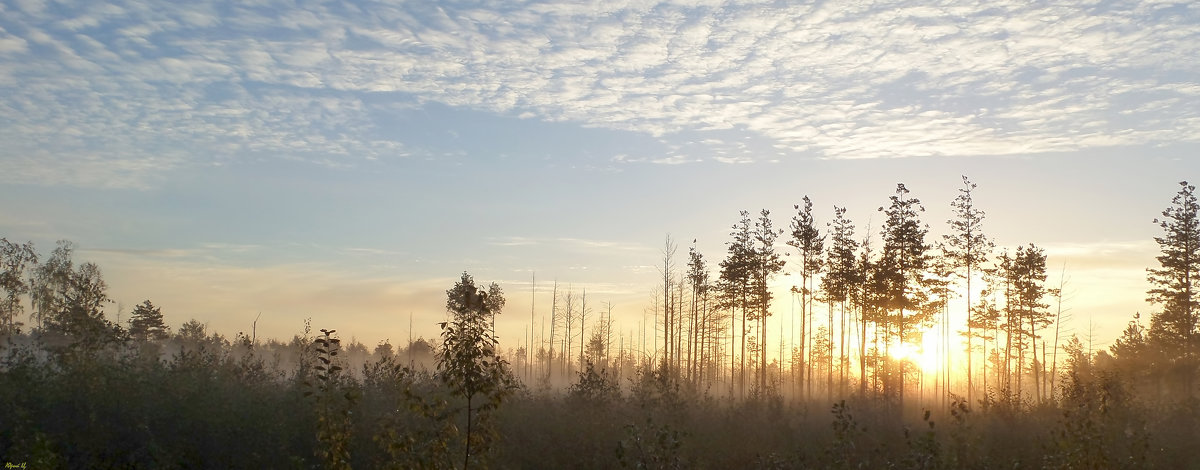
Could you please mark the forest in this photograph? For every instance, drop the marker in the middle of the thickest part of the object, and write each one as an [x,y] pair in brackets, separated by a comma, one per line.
[713,388]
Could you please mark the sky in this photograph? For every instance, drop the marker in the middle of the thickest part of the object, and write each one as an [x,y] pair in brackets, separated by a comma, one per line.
[347,161]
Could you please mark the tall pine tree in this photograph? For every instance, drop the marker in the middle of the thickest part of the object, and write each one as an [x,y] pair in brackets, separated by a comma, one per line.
[903,261]
[1172,330]
[967,248]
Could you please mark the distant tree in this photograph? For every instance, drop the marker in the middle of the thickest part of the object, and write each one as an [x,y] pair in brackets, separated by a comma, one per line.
[14,261]
[868,296]
[736,284]
[554,320]
[698,279]
[841,276]
[384,350]
[1173,283]
[50,279]
[808,240]
[668,274]
[985,320]
[147,322]
[967,248]
[70,301]
[767,263]
[1131,354]
[584,311]
[903,267]
[1028,290]
[192,331]
[469,362]
[938,282]
[570,313]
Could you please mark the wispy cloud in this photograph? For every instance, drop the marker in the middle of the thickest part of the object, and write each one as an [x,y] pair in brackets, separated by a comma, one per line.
[566,243]
[116,94]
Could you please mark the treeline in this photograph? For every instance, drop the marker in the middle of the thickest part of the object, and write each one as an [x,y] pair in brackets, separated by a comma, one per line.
[80,390]
[866,301]
[192,399]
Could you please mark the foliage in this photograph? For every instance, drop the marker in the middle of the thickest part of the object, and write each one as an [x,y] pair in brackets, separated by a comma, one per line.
[333,400]
[1172,330]
[147,322]
[469,364]
[593,389]
[14,261]
[651,446]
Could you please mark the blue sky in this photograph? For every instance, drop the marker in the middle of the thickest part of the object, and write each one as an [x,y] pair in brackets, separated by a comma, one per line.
[346,160]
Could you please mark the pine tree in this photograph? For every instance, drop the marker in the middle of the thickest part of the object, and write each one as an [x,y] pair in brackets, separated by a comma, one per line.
[967,247]
[1172,330]
[808,240]
[147,322]
[736,277]
[1030,313]
[841,275]
[767,264]
[698,278]
[903,267]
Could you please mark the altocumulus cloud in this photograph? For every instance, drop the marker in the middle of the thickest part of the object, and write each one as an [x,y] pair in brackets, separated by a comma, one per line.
[121,93]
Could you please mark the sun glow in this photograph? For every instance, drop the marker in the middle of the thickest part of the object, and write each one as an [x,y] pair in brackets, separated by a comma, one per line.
[924,355]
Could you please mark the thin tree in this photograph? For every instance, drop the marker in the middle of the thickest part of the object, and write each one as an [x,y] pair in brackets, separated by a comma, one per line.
[1029,287]
[469,362]
[583,313]
[809,241]
[667,272]
[553,328]
[569,315]
[698,278]
[968,248]
[736,275]
[841,276]
[767,263]
[1058,293]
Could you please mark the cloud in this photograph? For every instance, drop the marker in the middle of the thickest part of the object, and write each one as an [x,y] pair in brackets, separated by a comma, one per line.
[566,243]
[111,81]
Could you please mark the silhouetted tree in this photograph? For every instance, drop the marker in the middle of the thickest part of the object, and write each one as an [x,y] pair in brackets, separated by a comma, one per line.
[736,285]
[668,275]
[902,266]
[1028,277]
[808,240]
[70,301]
[967,248]
[1131,354]
[840,275]
[1172,329]
[569,313]
[469,362]
[698,279]
[767,264]
[147,322]
[14,261]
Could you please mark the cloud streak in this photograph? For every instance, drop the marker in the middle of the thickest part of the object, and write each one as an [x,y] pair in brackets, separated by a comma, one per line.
[120,93]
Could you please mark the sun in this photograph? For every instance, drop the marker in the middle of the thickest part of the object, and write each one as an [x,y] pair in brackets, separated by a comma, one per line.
[923,356]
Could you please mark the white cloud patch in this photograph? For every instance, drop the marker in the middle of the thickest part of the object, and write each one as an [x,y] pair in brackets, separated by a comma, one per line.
[105,82]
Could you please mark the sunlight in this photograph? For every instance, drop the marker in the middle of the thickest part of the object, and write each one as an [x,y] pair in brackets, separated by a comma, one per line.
[924,356]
